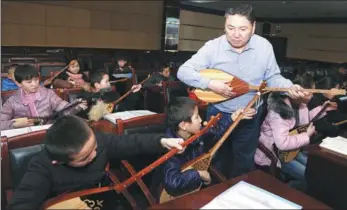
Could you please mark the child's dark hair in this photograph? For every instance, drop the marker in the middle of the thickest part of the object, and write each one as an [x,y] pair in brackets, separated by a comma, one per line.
[25,72]
[305,81]
[66,137]
[163,66]
[97,76]
[180,109]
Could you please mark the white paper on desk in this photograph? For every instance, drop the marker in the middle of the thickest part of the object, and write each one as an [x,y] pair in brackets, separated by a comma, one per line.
[127,115]
[19,131]
[247,196]
[127,75]
[337,144]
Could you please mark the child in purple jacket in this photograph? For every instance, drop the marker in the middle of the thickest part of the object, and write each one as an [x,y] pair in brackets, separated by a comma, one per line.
[31,100]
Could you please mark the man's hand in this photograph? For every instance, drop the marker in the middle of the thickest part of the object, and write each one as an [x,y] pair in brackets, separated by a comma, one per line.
[136,88]
[296,92]
[221,88]
[205,177]
[170,143]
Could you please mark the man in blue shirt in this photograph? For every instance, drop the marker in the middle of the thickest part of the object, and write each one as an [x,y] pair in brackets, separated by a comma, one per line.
[251,58]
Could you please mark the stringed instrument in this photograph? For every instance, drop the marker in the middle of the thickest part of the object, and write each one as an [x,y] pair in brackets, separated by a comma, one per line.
[241,87]
[50,80]
[119,80]
[100,109]
[203,162]
[73,199]
[287,156]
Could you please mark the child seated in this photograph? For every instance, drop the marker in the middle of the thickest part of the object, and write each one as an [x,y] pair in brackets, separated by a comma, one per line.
[158,79]
[101,90]
[9,83]
[122,67]
[184,121]
[31,100]
[283,115]
[74,158]
[72,77]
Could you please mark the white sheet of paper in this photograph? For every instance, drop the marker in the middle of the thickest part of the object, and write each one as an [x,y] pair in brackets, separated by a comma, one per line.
[19,131]
[127,75]
[127,115]
[337,144]
[247,196]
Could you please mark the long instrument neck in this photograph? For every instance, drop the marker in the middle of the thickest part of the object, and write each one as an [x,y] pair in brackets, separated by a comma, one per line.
[214,149]
[253,87]
[128,93]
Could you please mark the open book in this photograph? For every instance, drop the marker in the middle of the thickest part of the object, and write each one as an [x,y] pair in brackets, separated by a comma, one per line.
[247,196]
[20,131]
[127,115]
[337,144]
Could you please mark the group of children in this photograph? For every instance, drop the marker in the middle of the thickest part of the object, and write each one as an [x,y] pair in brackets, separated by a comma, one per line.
[74,156]
[33,100]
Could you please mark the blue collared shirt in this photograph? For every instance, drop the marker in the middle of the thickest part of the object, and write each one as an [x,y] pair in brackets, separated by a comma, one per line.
[256,63]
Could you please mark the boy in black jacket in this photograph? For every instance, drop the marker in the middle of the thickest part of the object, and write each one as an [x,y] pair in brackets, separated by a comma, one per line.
[164,75]
[74,158]
[101,90]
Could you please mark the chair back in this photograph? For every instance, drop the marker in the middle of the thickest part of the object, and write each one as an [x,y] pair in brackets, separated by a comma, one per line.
[16,152]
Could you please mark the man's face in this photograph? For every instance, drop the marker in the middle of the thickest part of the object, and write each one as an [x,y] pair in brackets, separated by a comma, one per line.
[238,30]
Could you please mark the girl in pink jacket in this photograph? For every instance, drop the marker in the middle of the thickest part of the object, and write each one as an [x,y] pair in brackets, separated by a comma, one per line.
[283,115]
[31,100]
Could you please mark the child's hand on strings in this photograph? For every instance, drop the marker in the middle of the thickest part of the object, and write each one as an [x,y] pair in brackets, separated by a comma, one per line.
[311,130]
[136,88]
[249,114]
[205,177]
[22,122]
[170,143]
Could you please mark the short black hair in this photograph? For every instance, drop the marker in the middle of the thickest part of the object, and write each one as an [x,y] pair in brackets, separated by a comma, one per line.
[180,109]
[97,76]
[163,66]
[243,10]
[305,81]
[25,72]
[66,137]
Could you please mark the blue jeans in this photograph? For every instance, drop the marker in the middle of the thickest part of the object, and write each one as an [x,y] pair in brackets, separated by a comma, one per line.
[236,156]
[296,169]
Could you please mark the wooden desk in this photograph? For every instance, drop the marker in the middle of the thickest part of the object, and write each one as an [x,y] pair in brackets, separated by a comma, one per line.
[257,178]
[326,176]
[104,126]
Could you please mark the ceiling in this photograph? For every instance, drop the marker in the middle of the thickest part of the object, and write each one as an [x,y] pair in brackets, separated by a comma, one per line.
[281,9]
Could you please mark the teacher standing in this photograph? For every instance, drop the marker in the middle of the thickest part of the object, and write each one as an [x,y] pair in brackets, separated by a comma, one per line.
[250,57]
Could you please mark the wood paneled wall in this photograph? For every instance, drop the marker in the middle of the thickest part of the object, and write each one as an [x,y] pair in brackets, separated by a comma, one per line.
[197,28]
[88,24]
[321,42]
